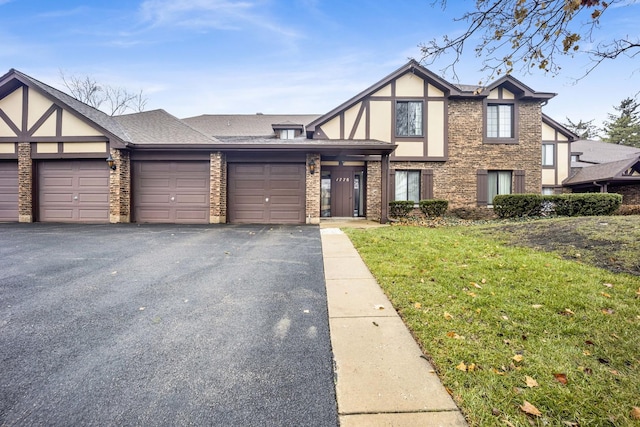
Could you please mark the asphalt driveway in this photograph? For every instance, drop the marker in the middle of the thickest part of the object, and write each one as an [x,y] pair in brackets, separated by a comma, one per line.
[163,325]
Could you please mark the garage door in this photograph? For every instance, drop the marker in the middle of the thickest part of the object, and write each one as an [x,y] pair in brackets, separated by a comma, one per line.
[73,191]
[266,193]
[171,192]
[9,191]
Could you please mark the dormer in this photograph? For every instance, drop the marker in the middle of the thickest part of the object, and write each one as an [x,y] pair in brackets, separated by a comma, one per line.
[287,130]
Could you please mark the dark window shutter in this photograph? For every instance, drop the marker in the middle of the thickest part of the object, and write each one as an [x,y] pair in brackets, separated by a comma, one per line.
[482,187]
[392,184]
[426,186]
[519,182]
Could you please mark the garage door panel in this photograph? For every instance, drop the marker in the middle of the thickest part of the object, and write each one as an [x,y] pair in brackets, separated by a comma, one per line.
[171,191]
[73,190]
[266,193]
[9,191]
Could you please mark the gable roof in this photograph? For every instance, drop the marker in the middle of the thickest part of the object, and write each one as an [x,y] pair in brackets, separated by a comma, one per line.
[103,121]
[596,152]
[611,171]
[451,90]
[160,127]
[559,127]
[220,125]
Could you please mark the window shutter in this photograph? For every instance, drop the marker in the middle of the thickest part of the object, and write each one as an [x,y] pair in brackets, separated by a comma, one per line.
[392,184]
[519,182]
[426,186]
[482,187]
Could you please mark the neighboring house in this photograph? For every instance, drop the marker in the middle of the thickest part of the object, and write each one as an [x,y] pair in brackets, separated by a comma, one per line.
[410,136]
[604,167]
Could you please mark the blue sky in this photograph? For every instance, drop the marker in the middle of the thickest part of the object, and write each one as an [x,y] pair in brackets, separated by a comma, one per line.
[192,57]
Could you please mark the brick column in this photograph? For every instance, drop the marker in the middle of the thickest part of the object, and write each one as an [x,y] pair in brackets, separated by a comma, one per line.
[218,189]
[374,190]
[313,190]
[25,183]
[120,187]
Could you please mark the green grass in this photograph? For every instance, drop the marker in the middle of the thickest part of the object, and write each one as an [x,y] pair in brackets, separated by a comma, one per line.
[468,297]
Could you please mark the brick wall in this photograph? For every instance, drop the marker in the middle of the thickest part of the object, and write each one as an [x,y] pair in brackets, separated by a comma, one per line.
[120,187]
[374,179]
[313,191]
[25,183]
[456,179]
[218,189]
[630,193]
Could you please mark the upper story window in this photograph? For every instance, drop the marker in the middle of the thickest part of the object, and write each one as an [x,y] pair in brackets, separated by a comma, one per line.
[575,158]
[409,118]
[408,185]
[287,133]
[500,121]
[548,154]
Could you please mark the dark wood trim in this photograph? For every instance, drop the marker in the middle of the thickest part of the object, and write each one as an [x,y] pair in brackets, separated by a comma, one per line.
[25,108]
[9,156]
[426,184]
[384,187]
[149,155]
[342,124]
[266,158]
[10,123]
[356,124]
[68,139]
[59,155]
[41,120]
[59,122]
[367,124]
[392,185]
[419,159]
[519,181]
[482,183]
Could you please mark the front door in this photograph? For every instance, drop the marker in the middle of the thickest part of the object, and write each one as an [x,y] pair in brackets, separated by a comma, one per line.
[342,190]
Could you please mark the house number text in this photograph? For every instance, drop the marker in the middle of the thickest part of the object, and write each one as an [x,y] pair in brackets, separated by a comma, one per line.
[342,179]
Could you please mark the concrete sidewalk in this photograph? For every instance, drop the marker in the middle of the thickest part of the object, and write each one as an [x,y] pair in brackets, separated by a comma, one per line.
[381,380]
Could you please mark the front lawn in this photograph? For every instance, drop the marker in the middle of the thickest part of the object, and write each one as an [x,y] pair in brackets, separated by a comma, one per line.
[514,330]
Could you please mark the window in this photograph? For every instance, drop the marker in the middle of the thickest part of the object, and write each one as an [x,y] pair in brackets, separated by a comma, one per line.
[408,118]
[287,133]
[548,190]
[547,154]
[500,121]
[498,182]
[575,158]
[408,185]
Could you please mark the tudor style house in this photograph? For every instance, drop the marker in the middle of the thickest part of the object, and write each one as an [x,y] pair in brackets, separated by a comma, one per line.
[410,136]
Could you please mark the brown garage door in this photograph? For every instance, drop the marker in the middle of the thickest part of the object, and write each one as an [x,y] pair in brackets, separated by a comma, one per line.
[73,191]
[266,193]
[171,192]
[9,191]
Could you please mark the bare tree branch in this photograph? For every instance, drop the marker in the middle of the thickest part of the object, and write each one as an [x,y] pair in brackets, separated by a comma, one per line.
[117,100]
[529,34]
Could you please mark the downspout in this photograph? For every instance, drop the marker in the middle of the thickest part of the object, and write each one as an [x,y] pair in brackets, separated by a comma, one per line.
[603,187]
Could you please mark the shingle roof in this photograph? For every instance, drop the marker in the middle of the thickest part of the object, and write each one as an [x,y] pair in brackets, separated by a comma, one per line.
[160,127]
[602,172]
[104,121]
[245,124]
[602,152]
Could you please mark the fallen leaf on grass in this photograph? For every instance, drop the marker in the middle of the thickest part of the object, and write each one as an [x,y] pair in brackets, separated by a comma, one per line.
[608,285]
[462,367]
[567,312]
[635,413]
[530,382]
[417,305]
[608,311]
[455,336]
[604,294]
[518,358]
[536,306]
[561,378]
[483,281]
[509,423]
[475,285]
[528,408]
[447,316]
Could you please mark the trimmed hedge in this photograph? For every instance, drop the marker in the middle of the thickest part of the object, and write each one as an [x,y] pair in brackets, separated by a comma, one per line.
[433,207]
[400,208]
[518,205]
[576,204]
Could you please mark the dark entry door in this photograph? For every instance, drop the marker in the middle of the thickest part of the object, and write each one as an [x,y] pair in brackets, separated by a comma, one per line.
[342,192]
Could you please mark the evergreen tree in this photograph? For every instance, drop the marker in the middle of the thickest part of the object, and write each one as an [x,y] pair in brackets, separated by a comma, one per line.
[584,130]
[624,128]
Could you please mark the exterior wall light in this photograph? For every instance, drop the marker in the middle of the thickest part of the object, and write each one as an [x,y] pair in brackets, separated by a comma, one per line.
[312,167]
[111,162]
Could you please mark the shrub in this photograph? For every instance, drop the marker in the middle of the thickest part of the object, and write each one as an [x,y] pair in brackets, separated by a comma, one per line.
[433,207]
[518,205]
[400,208]
[585,204]
[628,210]
[580,204]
